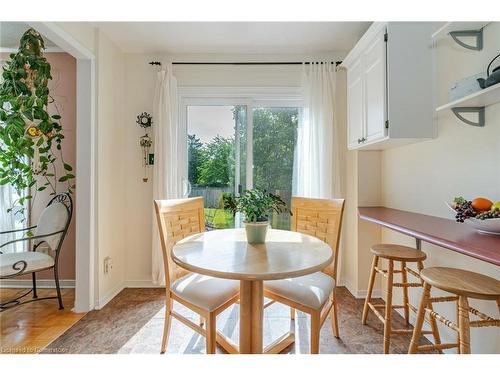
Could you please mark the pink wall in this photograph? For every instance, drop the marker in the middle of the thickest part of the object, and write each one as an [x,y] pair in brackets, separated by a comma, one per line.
[63,90]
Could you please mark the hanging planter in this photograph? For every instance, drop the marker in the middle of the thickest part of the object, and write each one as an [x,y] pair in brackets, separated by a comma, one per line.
[30,137]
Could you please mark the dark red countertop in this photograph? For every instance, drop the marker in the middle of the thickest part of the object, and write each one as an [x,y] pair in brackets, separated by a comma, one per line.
[438,231]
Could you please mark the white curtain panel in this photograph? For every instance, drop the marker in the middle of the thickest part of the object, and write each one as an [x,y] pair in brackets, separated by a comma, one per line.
[317,158]
[7,219]
[167,171]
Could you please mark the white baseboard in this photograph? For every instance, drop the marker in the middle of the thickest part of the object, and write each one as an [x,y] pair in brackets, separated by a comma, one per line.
[359,293]
[141,284]
[40,284]
[108,297]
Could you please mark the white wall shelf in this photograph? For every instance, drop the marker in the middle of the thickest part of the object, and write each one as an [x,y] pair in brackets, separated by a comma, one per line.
[483,98]
[474,103]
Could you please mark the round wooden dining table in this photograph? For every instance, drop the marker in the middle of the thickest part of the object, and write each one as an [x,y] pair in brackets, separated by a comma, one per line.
[226,254]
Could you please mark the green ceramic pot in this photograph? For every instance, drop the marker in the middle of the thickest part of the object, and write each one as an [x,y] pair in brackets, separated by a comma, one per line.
[256,231]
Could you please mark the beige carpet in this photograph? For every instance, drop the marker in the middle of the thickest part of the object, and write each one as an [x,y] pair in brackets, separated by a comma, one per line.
[133,323]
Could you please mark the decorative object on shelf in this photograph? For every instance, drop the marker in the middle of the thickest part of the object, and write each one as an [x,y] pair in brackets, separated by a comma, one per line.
[31,137]
[146,143]
[464,87]
[256,205]
[493,78]
[144,120]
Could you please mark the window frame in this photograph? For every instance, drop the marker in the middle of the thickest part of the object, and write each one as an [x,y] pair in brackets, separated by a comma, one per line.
[251,97]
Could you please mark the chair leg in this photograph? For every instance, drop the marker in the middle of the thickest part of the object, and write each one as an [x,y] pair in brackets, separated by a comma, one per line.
[292,313]
[404,280]
[463,325]
[370,289]
[315,328]
[417,330]
[333,317]
[211,332]
[58,288]
[33,277]
[166,324]
[388,307]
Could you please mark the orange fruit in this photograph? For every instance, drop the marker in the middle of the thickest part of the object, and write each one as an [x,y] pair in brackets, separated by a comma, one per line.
[481,204]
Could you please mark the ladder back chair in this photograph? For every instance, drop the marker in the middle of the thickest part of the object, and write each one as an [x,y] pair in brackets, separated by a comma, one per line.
[313,294]
[206,296]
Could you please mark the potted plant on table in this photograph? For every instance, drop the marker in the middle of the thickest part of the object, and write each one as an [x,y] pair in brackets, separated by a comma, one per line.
[256,205]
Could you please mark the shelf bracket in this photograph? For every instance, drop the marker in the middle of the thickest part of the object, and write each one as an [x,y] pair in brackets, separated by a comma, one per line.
[478,34]
[457,111]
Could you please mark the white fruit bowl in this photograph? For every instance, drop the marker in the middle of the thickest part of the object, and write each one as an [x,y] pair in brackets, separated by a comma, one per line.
[488,226]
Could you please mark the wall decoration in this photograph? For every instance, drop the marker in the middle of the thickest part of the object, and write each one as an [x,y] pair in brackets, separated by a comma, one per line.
[144,120]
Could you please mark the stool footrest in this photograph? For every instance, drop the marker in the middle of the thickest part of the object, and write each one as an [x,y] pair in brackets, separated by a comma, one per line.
[412,272]
[483,316]
[376,312]
[426,348]
[406,331]
[443,299]
[442,319]
[485,323]
[384,272]
[408,285]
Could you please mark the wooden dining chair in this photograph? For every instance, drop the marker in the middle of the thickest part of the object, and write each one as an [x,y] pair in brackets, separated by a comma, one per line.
[313,294]
[205,295]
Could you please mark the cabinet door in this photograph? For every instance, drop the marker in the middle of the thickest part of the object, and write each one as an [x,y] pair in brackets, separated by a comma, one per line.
[375,88]
[355,104]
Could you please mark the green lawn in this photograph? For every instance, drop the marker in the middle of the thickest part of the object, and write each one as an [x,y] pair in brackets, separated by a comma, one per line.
[224,219]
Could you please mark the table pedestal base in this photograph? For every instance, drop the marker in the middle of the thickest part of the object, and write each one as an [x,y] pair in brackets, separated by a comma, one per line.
[251,316]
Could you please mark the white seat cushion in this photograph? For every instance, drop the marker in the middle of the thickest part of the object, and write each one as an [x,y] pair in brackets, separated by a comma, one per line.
[35,261]
[205,291]
[310,290]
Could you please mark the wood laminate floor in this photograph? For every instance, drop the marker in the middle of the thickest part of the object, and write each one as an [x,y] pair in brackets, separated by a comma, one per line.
[133,323]
[29,328]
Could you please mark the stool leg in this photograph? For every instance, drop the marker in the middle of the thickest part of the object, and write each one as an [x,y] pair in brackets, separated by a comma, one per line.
[417,331]
[370,289]
[435,329]
[404,280]
[388,307]
[463,325]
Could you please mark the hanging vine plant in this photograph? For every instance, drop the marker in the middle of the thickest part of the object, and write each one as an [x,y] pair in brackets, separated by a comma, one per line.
[30,137]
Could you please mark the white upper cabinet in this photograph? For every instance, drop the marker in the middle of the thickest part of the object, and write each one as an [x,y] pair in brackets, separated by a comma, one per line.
[389,86]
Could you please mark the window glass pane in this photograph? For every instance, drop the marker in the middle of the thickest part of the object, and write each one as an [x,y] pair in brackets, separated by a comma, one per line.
[274,139]
[216,147]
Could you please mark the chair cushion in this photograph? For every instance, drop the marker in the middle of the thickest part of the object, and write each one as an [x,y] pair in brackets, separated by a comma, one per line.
[205,291]
[310,290]
[35,261]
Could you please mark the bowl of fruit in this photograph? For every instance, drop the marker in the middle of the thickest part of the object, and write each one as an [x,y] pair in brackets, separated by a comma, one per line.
[480,213]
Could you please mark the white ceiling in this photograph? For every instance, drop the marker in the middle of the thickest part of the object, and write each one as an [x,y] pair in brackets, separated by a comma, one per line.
[11,32]
[234,37]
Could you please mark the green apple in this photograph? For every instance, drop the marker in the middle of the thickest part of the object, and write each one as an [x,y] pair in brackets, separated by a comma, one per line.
[495,205]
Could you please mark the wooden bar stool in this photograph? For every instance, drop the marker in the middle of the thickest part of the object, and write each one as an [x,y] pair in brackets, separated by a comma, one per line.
[403,254]
[464,285]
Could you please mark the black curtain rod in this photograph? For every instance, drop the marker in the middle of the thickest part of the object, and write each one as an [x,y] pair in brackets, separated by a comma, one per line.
[240,63]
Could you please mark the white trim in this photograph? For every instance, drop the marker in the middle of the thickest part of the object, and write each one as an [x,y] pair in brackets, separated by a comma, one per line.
[40,284]
[361,293]
[142,284]
[87,278]
[108,297]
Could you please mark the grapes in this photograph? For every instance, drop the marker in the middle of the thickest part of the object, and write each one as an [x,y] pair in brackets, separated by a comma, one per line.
[491,214]
[464,210]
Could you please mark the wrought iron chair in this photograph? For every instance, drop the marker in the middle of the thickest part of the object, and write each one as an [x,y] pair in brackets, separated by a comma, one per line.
[51,229]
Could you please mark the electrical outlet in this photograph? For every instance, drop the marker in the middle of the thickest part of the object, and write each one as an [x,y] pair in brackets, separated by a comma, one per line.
[108,265]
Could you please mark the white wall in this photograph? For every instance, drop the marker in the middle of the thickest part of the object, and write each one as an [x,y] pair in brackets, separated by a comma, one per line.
[462,160]
[139,91]
[111,167]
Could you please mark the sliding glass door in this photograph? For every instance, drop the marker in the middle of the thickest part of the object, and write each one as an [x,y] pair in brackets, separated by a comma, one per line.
[238,144]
